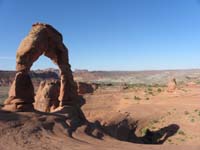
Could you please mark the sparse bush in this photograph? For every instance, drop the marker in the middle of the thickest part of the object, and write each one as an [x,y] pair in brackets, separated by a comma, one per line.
[143,131]
[139,85]
[184,90]
[159,90]
[151,93]
[192,120]
[137,98]
[169,113]
[186,113]
[182,140]
[181,132]
[155,85]
[150,89]
[155,121]
[169,140]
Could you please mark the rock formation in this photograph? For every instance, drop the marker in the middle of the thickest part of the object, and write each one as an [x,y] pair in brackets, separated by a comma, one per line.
[21,94]
[191,84]
[84,88]
[172,85]
[42,39]
[46,99]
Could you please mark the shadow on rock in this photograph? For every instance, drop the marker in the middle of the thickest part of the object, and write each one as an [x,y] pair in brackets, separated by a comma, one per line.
[124,128]
[70,119]
[6,116]
[94,130]
[80,101]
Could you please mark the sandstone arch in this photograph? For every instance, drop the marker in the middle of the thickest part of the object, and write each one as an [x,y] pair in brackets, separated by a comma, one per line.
[42,39]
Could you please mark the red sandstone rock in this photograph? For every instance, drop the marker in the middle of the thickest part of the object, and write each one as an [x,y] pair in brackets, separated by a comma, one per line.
[191,84]
[42,39]
[21,93]
[46,98]
[172,85]
[84,88]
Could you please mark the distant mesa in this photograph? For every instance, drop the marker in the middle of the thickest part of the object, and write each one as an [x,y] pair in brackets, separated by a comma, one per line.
[80,70]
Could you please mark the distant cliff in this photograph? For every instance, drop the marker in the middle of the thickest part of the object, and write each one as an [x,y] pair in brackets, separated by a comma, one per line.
[129,77]
[6,77]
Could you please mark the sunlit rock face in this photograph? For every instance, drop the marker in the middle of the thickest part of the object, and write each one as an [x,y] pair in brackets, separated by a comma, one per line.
[42,39]
[46,99]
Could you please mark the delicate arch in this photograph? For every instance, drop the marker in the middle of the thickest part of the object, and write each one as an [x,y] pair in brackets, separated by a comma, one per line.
[43,39]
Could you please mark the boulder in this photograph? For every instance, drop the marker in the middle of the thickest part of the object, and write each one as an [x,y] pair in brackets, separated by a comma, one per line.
[172,85]
[46,99]
[84,88]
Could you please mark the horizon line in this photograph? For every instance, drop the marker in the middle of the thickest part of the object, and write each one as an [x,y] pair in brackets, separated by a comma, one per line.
[142,70]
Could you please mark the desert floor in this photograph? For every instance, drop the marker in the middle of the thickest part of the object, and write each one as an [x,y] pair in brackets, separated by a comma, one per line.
[151,108]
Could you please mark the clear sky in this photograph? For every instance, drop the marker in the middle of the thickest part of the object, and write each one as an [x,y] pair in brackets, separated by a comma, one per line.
[108,34]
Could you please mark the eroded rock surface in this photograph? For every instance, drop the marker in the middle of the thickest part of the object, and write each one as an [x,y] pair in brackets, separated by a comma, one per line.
[21,94]
[172,85]
[42,39]
[84,88]
[46,99]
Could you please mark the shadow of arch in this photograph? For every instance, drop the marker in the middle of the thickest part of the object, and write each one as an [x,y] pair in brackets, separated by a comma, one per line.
[125,131]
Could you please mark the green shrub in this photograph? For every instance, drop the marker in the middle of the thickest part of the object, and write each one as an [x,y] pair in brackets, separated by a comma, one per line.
[143,131]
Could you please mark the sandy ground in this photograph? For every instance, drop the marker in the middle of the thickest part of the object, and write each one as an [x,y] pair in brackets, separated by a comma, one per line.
[153,109]
[160,110]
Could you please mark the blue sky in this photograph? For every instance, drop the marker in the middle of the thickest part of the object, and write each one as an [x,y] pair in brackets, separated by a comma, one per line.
[108,34]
